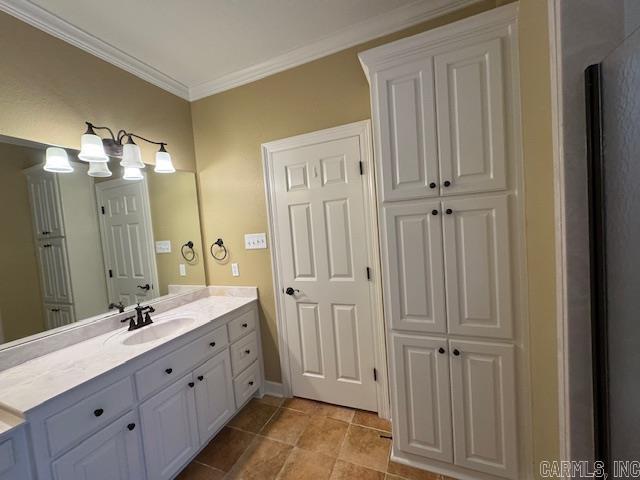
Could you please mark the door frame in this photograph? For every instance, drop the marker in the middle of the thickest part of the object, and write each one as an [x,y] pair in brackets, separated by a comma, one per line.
[146,211]
[362,130]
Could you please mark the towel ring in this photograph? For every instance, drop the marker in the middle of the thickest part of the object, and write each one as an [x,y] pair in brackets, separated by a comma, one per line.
[190,254]
[220,244]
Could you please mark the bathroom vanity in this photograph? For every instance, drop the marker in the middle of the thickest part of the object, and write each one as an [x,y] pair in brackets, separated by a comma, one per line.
[143,402]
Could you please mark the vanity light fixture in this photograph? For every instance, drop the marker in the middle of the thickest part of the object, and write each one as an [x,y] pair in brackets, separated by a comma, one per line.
[96,150]
[57,161]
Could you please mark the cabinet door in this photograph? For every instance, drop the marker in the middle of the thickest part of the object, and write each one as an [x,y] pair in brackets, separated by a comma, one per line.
[169,429]
[45,204]
[484,407]
[414,277]
[54,271]
[214,395]
[477,266]
[58,315]
[405,112]
[423,404]
[471,118]
[114,453]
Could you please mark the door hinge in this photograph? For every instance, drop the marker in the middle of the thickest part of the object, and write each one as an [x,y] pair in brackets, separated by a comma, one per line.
[368,273]
[361,167]
[375,375]
[102,209]
[110,273]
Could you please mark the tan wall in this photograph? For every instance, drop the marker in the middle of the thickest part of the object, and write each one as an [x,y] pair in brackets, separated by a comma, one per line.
[20,298]
[50,88]
[230,127]
[174,214]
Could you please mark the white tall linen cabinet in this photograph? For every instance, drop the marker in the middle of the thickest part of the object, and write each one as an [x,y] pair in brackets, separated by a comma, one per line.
[445,107]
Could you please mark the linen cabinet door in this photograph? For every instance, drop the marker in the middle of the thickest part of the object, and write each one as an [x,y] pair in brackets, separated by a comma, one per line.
[215,402]
[405,112]
[45,205]
[478,266]
[414,275]
[472,131]
[169,429]
[422,408]
[47,267]
[484,407]
[114,453]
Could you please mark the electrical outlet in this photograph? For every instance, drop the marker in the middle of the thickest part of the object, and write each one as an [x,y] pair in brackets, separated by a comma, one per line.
[234,270]
[183,270]
[255,241]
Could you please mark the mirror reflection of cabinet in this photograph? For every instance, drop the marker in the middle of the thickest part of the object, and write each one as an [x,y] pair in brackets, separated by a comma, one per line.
[65,226]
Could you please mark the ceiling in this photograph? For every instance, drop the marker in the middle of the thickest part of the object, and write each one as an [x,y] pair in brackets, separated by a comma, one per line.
[196,48]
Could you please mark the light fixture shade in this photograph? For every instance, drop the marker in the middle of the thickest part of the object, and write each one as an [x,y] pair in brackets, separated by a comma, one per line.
[163,163]
[99,169]
[57,161]
[91,149]
[132,173]
[131,156]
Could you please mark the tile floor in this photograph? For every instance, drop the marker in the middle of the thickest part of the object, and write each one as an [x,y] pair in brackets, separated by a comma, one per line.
[298,439]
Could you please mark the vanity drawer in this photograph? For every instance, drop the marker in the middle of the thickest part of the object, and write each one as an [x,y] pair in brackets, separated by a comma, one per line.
[247,383]
[165,370]
[72,424]
[244,352]
[242,325]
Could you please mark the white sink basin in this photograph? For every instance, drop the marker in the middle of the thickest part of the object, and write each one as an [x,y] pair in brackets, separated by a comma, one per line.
[160,329]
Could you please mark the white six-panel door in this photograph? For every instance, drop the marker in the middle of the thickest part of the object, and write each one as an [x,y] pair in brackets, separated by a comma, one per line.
[319,199]
[484,406]
[422,407]
[415,266]
[128,244]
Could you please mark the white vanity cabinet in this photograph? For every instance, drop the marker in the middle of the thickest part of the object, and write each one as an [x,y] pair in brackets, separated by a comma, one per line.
[14,455]
[449,173]
[150,417]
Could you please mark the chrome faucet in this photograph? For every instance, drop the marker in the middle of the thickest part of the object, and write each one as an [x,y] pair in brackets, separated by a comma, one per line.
[142,318]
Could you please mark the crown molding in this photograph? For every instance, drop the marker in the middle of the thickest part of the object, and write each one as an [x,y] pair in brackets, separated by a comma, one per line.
[384,24]
[46,21]
[393,21]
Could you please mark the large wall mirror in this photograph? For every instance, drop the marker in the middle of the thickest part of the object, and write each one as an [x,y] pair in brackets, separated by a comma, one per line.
[74,246]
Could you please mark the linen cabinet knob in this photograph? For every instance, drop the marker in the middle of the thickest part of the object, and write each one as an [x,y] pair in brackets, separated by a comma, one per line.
[432,185]
[441,350]
[447,183]
[434,212]
[456,352]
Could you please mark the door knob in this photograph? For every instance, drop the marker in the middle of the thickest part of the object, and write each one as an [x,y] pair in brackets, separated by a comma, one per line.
[291,291]
[146,287]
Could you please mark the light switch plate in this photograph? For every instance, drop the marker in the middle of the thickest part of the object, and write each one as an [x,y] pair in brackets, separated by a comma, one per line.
[163,246]
[183,270]
[234,270]
[255,241]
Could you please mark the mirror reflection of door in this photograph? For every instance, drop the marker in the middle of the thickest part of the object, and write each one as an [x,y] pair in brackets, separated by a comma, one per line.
[125,226]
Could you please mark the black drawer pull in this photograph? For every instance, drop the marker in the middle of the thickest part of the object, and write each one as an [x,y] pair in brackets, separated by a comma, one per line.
[212,344]
[191,384]
[247,352]
[98,412]
[244,325]
[200,377]
[168,371]
[441,350]
[456,352]
[131,426]
[251,383]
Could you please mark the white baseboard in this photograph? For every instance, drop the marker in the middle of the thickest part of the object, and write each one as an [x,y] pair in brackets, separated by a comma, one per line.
[272,388]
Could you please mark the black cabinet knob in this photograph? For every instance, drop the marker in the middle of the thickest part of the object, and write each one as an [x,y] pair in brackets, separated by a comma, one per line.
[212,344]
[168,371]
[98,412]
[456,352]
[200,377]
[251,382]
[447,183]
[244,325]
[449,211]
[434,212]
[441,350]
[191,384]
[247,352]
[131,426]
[432,185]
